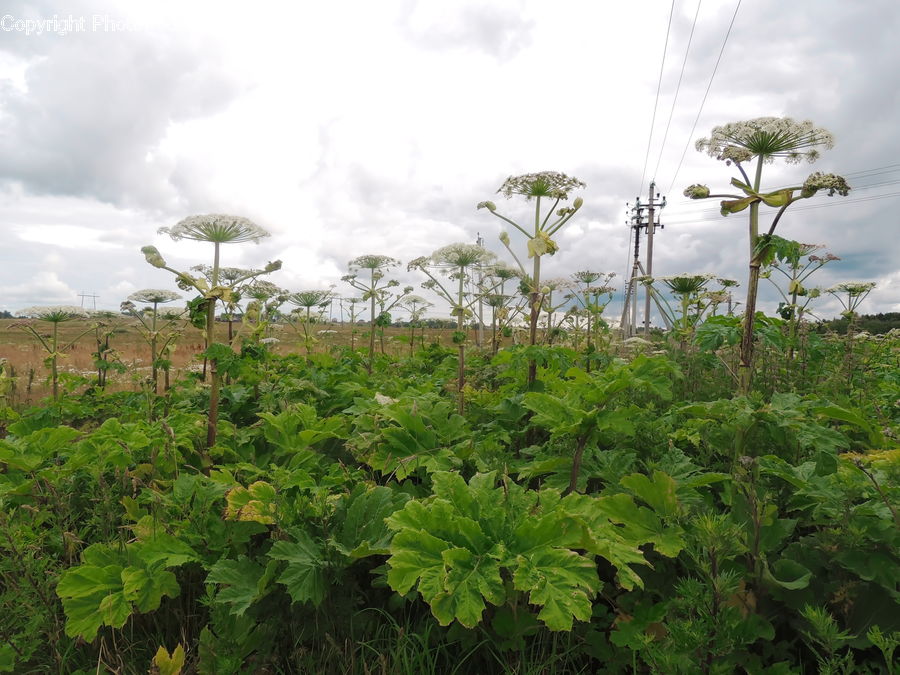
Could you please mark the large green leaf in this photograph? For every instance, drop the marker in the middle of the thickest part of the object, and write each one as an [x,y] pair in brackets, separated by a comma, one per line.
[563,582]
[303,577]
[241,580]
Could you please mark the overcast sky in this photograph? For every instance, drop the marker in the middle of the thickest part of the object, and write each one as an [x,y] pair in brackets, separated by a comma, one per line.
[357,127]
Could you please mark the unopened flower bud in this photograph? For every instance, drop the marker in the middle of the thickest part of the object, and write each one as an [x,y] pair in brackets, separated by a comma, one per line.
[490,206]
[577,203]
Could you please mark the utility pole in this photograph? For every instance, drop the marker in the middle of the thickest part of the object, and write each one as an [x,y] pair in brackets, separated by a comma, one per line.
[629,311]
[92,296]
[650,223]
[651,226]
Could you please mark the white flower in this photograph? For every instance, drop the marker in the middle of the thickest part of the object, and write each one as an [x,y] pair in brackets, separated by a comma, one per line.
[381,399]
[154,296]
[216,228]
[825,181]
[54,313]
[768,138]
[543,184]
[461,255]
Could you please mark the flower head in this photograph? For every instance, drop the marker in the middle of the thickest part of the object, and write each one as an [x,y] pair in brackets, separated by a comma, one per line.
[461,255]
[154,296]
[217,228]
[311,298]
[153,256]
[696,191]
[54,313]
[686,284]
[767,138]
[543,184]
[372,262]
[825,181]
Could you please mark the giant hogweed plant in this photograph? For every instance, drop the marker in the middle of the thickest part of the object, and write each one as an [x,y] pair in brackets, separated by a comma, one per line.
[554,187]
[159,336]
[367,275]
[764,140]
[305,302]
[795,263]
[457,262]
[216,229]
[587,293]
[53,315]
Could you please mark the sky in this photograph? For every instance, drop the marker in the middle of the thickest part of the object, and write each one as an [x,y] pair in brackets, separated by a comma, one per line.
[356,127]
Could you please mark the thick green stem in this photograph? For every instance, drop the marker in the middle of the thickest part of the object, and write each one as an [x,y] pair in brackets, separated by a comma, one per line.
[746,366]
[153,355]
[371,322]
[213,362]
[460,324]
[535,295]
[54,374]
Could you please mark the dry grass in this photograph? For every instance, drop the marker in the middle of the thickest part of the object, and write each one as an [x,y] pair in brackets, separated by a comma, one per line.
[25,357]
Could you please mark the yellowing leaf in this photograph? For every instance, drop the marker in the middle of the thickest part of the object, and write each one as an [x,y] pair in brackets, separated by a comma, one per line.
[540,245]
[169,664]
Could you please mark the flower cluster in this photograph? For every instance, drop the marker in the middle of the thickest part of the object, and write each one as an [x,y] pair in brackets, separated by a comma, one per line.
[828,257]
[54,313]
[767,138]
[853,288]
[461,255]
[154,296]
[372,262]
[825,181]
[217,228]
[696,191]
[543,184]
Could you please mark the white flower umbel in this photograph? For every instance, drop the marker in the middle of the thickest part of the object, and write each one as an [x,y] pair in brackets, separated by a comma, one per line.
[154,296]
[54,313]
[216,227]
[768,138]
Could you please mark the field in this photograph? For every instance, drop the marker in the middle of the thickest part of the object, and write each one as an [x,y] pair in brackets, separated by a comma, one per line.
[26,357]
[624,512]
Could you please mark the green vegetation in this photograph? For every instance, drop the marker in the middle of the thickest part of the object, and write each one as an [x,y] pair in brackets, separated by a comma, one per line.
[576,503]
[347,522]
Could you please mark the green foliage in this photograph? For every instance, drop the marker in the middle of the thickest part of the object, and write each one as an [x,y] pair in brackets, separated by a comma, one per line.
[344,518]
[457,547]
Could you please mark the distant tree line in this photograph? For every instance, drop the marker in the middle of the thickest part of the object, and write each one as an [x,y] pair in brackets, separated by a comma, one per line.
[876,324]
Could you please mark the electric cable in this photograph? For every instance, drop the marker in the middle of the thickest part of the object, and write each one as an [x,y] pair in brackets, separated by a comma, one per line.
[703,102]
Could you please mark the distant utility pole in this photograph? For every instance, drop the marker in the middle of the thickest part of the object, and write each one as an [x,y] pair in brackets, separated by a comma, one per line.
[92,296]
[639,222]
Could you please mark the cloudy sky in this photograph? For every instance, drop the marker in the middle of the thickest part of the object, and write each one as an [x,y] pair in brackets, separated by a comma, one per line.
[356,127]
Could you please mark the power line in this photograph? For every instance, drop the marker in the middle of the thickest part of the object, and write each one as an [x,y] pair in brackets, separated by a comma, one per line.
[856,188]
[807,207]
[677,88]
[656,102]
[703,102]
